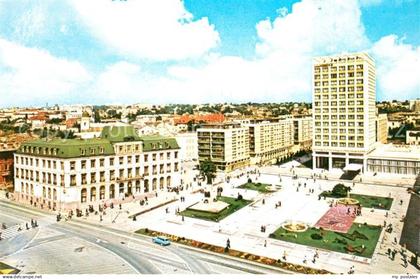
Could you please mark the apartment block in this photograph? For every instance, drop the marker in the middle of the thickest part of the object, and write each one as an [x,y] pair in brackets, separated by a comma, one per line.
[269,140]
[68,174]
[344,111]
[381,124]
[188,144]
[302,134]
[227,145]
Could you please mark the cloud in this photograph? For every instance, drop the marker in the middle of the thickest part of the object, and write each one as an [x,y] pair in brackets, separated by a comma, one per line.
[156,30]
[368,3]
[398,67]
[314,27]
[280,70]
[33,75]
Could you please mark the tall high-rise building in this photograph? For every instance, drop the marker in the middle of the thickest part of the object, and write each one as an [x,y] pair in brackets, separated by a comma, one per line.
[343,111]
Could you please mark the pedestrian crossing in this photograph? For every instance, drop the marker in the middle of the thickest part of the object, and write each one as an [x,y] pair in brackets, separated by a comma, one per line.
[12,231]
[21,228]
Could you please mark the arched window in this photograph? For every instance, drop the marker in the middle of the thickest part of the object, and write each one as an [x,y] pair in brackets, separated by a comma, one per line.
[102,193]
[154,184]
[146,185]
[161,183]
[112,191]
[168,181]
[129,188]
[93,194]
[83,195]
[137,186]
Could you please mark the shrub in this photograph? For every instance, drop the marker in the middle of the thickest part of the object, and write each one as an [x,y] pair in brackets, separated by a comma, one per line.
[316,236]
[340,190]
[249,180]
[357,234]
[340,240]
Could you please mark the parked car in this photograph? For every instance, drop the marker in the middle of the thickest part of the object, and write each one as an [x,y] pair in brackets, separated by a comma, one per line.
[161,240]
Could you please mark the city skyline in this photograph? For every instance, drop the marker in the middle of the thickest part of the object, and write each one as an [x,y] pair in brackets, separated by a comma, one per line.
[80,56]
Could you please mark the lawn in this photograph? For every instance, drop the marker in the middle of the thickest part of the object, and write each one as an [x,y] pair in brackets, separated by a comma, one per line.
[260,187]
[366,200]
[234,205]
[366,235]
[373,201]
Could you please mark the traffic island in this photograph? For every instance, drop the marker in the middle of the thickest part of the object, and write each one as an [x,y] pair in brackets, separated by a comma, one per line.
[7,269]
[295,268]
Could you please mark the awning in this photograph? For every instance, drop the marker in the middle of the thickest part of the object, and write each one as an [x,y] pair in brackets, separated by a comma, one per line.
[353,167]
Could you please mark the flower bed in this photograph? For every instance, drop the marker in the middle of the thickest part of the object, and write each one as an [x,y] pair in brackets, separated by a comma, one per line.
[235,253]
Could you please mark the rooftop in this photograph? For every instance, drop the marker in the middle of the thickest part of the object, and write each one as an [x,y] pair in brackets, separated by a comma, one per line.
[151,143]
[119,134]
[67,148]
[399,152]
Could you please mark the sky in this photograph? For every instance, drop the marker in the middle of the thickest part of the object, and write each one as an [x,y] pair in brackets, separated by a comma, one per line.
[197,51]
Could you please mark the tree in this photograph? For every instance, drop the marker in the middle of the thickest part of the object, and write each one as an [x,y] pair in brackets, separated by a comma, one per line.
[191,125]
[208,170]
[97,116]
[340,190]
[54,121]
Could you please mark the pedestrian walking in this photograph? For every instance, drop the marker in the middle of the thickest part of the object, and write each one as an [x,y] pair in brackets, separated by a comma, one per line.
[265,243]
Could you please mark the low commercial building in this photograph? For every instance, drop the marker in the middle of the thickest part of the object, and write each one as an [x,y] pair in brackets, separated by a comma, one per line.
[395,159]
[269,140]
[227,145]
[68,174]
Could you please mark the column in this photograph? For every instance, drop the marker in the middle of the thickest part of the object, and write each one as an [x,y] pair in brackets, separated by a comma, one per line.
[314,161]
[330,162]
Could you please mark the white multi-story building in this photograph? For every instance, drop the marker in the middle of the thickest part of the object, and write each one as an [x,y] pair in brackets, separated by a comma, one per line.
[188,144]
[67,174]
[303,131]
[226,145]
[343,111]
[381,128]
[269,140]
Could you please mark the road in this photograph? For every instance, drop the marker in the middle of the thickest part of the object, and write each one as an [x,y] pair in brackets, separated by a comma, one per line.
[137,253]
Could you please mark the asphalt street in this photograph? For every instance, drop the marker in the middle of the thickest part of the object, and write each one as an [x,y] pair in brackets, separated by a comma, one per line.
[137,251]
